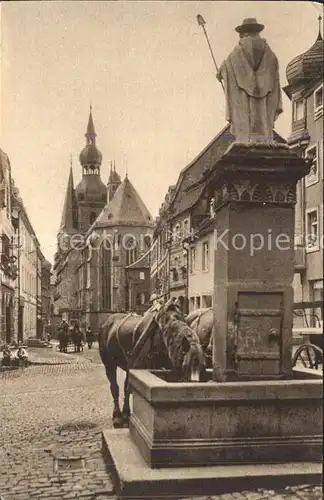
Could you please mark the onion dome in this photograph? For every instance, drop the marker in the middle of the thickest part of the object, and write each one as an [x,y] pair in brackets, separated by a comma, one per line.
[309,65]
[90,155]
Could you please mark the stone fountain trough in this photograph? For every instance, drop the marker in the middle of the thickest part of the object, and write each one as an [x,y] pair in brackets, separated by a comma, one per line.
[208,437]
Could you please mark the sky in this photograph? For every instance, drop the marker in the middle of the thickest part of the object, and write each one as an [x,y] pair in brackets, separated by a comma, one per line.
[147,70]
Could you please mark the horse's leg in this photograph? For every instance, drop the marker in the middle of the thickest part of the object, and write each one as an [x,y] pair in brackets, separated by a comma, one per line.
[111,372]
[126,408]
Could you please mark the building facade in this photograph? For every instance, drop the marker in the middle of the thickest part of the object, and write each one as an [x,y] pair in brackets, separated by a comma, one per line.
[28,285]
[46,299]
[305,90]
[8,259]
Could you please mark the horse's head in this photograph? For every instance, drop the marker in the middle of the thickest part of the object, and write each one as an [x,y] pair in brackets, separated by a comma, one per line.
[182,343]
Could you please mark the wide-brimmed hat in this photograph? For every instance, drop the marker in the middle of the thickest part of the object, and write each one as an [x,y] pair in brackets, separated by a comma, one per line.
[249,24]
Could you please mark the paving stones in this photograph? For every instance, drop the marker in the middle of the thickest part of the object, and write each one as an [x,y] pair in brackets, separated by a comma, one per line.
[55,412]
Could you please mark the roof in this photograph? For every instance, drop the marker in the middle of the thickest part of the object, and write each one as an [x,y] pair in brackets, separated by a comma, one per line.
[191,181]
[192,178]
[307,66]
[90,128]
[90,154]
[92,187]
[69,214]
[114,177]
[125,209]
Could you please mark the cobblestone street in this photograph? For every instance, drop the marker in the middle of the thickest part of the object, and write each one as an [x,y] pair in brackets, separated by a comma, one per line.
[51,420]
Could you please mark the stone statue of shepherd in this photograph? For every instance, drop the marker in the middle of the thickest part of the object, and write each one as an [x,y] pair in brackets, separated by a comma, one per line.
[252,87]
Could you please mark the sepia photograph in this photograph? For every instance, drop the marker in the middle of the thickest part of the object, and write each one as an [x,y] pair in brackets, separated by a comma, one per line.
[161,250]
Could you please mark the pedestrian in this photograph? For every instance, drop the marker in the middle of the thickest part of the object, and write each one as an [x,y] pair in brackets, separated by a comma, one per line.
[20,357]
[89,337]
[7,356]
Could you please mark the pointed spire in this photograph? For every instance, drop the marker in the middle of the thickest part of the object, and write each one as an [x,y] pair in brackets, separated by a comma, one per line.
[319,27]
[69,222]
[114,166]
[91,133]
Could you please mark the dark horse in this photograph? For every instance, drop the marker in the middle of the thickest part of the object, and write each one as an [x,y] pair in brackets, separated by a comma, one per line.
[123,343]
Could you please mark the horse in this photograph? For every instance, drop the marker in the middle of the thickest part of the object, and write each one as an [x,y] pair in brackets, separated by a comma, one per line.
[123,343]
[202,321]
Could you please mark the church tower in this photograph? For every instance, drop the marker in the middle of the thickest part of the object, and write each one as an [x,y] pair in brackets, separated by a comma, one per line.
[69,221]
[91,193]
[114,182]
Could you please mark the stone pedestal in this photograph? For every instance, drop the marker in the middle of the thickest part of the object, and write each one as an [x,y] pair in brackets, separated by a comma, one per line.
[254,187]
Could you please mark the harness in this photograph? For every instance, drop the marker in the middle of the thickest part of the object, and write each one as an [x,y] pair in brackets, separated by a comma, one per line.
[133,355]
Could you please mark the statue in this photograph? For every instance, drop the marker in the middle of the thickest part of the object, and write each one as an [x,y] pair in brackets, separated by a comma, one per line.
[252,87]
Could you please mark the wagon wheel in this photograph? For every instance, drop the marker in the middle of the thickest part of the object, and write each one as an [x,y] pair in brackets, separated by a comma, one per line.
[310,356]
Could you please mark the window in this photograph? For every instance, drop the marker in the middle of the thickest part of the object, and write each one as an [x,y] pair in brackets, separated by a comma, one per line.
[106,276]
[318,102]
[197,302]
[205,256]
[298,110]
[5,251]
[131,250]
[207,301]
[92,217]
[142,275]
[143,298]
[192,259]
[312,154]
[177,234]
[317,295]
[186,228]
[312,230]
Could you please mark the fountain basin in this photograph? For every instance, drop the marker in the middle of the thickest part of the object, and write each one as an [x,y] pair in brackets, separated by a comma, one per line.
[208,423]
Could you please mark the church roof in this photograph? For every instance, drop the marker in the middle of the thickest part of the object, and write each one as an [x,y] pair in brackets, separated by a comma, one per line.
[69,214]
[92,188]
[125,209]
[114,176]
[90,154]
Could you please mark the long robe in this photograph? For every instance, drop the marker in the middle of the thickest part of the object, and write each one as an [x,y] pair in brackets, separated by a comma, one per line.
[252,89]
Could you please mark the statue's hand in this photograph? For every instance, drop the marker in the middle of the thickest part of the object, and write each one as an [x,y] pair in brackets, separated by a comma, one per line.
[219,76]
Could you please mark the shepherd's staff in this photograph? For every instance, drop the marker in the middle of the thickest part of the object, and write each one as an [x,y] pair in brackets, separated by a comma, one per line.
[202,23]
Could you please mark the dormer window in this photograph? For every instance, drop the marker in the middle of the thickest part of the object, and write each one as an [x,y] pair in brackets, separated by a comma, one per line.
[318,102]
[298,110]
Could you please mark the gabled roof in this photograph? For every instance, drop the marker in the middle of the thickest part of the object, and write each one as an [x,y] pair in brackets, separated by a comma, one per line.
[192,178]
[125,209]
[68,221]
[191,181]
